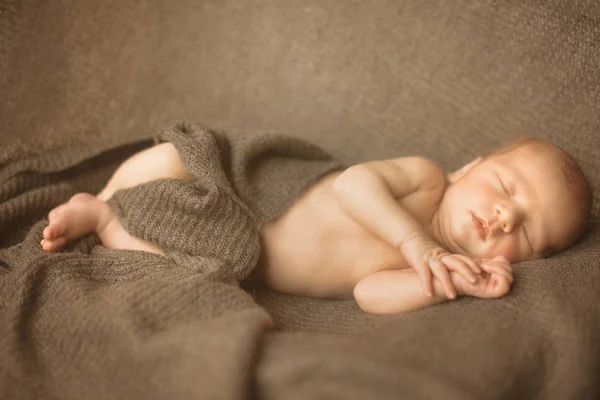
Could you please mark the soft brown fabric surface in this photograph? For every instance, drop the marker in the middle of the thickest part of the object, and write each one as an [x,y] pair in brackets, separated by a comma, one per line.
[364,80]
[72,321]
[97,323]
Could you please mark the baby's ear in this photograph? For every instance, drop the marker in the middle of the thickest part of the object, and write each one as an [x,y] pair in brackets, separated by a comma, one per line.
[456,175]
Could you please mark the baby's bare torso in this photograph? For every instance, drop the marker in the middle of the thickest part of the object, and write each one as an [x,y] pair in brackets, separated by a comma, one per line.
[315,249]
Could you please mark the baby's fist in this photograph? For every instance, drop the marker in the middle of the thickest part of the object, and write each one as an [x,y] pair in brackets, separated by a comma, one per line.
[494,281]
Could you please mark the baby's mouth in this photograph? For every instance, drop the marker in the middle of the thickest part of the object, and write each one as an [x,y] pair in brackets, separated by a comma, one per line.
[480,225]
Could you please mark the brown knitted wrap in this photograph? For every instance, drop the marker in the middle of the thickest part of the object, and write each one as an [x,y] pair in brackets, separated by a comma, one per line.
[220,213]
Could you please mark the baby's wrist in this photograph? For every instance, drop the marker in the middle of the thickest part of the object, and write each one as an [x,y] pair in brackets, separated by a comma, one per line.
[458,282]
[412,237]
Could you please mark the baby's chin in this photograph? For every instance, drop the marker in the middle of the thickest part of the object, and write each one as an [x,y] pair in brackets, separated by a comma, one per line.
[464,247]
[459,242]
[486,254]
[454,249]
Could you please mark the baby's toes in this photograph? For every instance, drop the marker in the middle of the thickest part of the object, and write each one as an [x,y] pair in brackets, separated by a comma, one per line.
[46,244]
[53,245]
[53,231]
[47,234]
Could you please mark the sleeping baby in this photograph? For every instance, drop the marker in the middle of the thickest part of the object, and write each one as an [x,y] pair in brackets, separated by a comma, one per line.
[394,234]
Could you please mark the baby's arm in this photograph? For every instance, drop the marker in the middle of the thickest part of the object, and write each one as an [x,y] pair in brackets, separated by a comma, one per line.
[368,193]
[398,291]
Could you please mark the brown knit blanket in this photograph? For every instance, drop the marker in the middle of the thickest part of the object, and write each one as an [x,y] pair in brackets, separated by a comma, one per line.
[96,323]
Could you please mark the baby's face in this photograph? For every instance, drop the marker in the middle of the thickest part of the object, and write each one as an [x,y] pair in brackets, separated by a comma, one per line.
[514,204]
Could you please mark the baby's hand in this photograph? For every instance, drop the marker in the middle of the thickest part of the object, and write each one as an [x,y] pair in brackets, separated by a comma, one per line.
[428,259]
[494,282]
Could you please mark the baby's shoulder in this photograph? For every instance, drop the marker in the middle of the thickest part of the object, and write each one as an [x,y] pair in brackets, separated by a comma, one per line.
[425,171]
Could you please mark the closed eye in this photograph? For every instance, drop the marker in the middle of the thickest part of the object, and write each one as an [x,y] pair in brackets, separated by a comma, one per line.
[503,185]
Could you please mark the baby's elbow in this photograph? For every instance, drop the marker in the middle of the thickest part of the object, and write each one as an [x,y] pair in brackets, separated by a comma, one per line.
[368,301]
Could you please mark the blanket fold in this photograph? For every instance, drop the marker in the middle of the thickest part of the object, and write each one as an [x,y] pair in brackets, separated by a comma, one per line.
[91,322]
[219,214]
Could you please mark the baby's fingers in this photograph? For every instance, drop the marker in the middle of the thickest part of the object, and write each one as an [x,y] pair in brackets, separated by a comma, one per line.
[441,273]
[501,286]
[500,259]
[457,265]
[470,262]
[426,279]
[498,269]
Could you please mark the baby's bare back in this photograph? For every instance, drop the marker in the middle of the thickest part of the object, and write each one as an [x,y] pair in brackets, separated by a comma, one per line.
[315,249]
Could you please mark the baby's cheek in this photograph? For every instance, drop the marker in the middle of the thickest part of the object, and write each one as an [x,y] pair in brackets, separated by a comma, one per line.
[509,250]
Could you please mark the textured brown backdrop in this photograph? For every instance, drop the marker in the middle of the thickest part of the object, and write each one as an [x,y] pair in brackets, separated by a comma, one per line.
[446,79]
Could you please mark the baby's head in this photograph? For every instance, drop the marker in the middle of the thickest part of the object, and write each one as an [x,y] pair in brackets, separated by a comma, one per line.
[524,201]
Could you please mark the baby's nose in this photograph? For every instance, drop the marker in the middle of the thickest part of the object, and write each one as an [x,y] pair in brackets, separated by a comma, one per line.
[497,226]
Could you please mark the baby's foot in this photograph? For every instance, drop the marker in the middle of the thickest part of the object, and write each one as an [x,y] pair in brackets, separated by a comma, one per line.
[71,220]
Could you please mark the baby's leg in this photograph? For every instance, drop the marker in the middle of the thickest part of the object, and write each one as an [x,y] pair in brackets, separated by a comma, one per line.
[83,214]
[160,161]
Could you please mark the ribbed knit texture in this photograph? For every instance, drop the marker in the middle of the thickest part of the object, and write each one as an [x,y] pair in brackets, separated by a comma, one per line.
[209,229]
[449,80]
[238,185]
